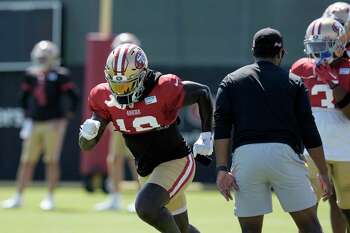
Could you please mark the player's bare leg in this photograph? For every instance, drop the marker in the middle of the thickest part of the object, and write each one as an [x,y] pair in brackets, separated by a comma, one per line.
[135,176]
[150,207]
[251,224]
[116,172]
[24,176]
[115,166]
[52,175]
[307,221]
[337,219]
[183,223]
[116,175]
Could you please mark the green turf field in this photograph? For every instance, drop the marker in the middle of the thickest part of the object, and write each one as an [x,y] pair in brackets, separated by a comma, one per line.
[74,214]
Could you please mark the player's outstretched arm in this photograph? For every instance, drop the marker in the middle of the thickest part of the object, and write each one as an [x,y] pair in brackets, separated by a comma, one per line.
[200,94]
[91,131]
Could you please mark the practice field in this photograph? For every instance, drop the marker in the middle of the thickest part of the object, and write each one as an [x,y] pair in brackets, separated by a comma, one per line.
[74,214]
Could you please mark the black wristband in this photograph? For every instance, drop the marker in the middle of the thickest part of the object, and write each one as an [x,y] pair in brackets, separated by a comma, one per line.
[205,160]
[344,102]
[222,168]
[332,85]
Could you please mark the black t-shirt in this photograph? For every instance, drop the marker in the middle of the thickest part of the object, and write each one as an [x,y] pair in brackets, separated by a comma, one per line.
[42,95]
[153,148]
[262,103]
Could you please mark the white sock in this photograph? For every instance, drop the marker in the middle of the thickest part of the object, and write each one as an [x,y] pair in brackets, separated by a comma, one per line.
[49,196]
[18,196]
[115,197]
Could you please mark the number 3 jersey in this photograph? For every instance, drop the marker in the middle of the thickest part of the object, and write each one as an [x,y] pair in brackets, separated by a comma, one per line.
[148,126]
[332,124]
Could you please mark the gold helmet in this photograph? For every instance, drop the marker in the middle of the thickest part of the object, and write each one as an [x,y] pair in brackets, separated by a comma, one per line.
[340,11]
[45,56]
[124,38]
[323,40]
[125,71]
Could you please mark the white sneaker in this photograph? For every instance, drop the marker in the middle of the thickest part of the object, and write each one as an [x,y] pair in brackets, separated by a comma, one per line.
[13,202]
[131,208]
[109,204]
[47,204]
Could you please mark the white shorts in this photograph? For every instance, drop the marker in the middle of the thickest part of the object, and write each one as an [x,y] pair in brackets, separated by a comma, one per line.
[334,129]
[258,168]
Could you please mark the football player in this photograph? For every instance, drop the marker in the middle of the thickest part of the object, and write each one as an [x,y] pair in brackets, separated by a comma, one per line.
[326,73]
[118,151]
[43,90]
[340,11]
[143,105]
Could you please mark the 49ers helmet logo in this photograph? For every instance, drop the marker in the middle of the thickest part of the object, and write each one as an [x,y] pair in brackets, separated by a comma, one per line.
[140,60]
[335,28]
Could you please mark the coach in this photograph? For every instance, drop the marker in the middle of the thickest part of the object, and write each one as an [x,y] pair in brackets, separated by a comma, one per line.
[270,116]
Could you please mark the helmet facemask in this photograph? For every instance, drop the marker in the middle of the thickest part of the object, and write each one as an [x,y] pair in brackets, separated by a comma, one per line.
[323,51]
[126,91]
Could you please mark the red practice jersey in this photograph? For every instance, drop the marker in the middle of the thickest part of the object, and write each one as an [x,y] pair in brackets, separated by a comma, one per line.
[159,109]
[149,126]
[333,126]
[320,94]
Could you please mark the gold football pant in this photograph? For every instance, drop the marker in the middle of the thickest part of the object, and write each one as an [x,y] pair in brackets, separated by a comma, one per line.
[47,138]
[339,172]
[174,176]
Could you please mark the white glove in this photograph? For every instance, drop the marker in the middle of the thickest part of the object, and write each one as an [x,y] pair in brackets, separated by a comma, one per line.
[89,129]
[203,145]
[26,129]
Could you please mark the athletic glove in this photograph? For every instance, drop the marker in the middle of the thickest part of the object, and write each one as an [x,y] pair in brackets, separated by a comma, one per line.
[89,129]
[26,129]
[203,145]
